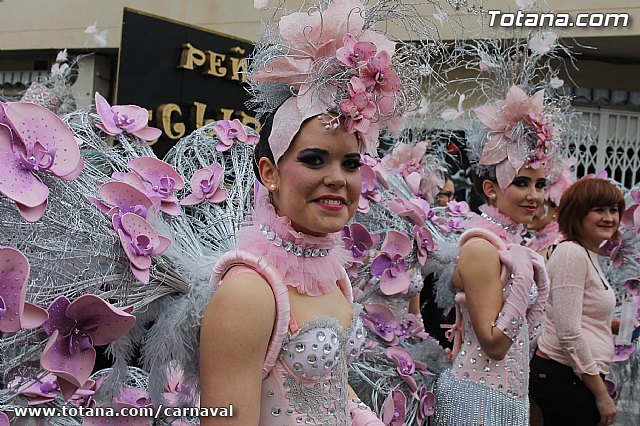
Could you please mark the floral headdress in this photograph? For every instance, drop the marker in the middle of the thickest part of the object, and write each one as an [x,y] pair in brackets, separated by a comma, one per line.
[327,60]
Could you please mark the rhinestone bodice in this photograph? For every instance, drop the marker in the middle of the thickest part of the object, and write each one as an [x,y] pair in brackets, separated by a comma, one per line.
[308,384]
[509,375]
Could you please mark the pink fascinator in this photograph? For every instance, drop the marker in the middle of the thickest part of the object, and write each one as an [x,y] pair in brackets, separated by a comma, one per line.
[518,133]
[330,61]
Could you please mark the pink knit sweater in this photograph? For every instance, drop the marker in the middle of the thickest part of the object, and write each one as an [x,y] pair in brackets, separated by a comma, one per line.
[577,329]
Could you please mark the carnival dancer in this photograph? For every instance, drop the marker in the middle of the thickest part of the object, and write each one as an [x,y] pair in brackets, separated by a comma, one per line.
[280,330]
[488,381]
[575,348]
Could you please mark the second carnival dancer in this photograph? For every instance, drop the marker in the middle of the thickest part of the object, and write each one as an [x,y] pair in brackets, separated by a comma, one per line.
[279,331]
[488,381]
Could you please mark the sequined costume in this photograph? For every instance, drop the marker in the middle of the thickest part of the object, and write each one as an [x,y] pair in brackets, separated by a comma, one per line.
[305,368]
[478,390]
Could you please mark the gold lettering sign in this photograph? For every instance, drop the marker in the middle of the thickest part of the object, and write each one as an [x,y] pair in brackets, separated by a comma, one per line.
[164,121]
[214,63]
[191,57]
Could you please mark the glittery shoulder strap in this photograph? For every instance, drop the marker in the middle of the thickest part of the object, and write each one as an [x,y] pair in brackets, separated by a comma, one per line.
[492,237]
[275,281]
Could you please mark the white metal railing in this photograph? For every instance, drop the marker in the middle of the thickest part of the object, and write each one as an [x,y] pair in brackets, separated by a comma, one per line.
[24,77]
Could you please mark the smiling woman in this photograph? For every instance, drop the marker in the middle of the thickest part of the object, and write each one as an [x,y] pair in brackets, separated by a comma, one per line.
[575,348]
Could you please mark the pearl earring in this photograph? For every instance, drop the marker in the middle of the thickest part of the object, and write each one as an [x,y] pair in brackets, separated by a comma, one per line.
[272,186]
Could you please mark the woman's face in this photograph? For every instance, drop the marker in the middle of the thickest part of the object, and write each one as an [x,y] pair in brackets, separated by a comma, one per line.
[446,194]
[318,179]
[522,197]
[600,224]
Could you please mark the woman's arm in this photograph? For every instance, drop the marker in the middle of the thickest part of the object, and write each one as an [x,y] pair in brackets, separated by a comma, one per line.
[479,273]
[235,333]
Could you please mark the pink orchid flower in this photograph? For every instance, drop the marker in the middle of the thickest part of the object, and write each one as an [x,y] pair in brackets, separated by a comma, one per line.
[230,131]
[378,73]
[128,118]
[118,198]
[394,409]
[33,139]
[424,238]
[412,211]
[631,216]
[502,149]
[205,185]
[427,404]
[354,52]
[358,241]
[15,312]
[140,241]
[411,326]
[41,390]
[622,352]
[358,108]
[390,265]
[405,365]
[74,329]
[370,188]
[156,179]
[380,320]
[130,398]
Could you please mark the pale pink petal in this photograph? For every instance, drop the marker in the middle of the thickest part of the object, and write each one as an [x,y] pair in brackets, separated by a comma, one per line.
[191,200]
[152,170]
[32,214]
[137,117]
[147,133]
[107,116]
[111,322]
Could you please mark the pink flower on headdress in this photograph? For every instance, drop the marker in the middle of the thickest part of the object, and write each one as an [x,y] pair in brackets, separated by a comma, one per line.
[427,404]
[15,312]
[128,118]
[358,107]
[379,319]
[358,241]
[74,329]
[205,185]
[394,409]
[631,216]
[353,52]
[156,179]
[407,160]
[502,150]
[379,74]
[34,139]
[140,241]
[369,188]
[424,238]
[390,265]
[230,131]
[41,390]
[458,208]
[416,209]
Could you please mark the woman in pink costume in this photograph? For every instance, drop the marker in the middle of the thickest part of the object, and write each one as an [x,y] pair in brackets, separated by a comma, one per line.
[487,383]
[281,327]
[576,348]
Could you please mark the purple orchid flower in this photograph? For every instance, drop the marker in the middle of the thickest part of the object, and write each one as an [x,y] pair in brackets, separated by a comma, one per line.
[409,209]
[411,326]
[128,118]
[379,319]
[156,179]
[129,398]
[15,312]
[427,404]
[83,397]
[458,208]
[424,238]
[390,265]
[205,185]
[33,139]
[230,131]
[614,249]
[140,241]
[358,109]
[394,409]
[74,328]
[354,52]
[370,188]
[612,389]
[118,198]
[358,241]
[622,352]
[456,224]
[41,390]
[405,365]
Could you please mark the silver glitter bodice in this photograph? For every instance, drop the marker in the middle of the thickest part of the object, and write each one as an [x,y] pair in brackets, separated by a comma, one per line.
[308,384]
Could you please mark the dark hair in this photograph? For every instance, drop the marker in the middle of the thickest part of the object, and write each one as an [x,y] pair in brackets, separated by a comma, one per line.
[580,198]
[262,148]
[477,196]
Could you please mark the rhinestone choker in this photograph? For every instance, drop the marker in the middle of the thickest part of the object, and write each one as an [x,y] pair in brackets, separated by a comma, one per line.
[507,228]
[288,246]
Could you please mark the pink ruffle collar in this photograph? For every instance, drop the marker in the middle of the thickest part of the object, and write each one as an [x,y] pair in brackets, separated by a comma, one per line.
[506,228]
[311,264]
[545,237]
